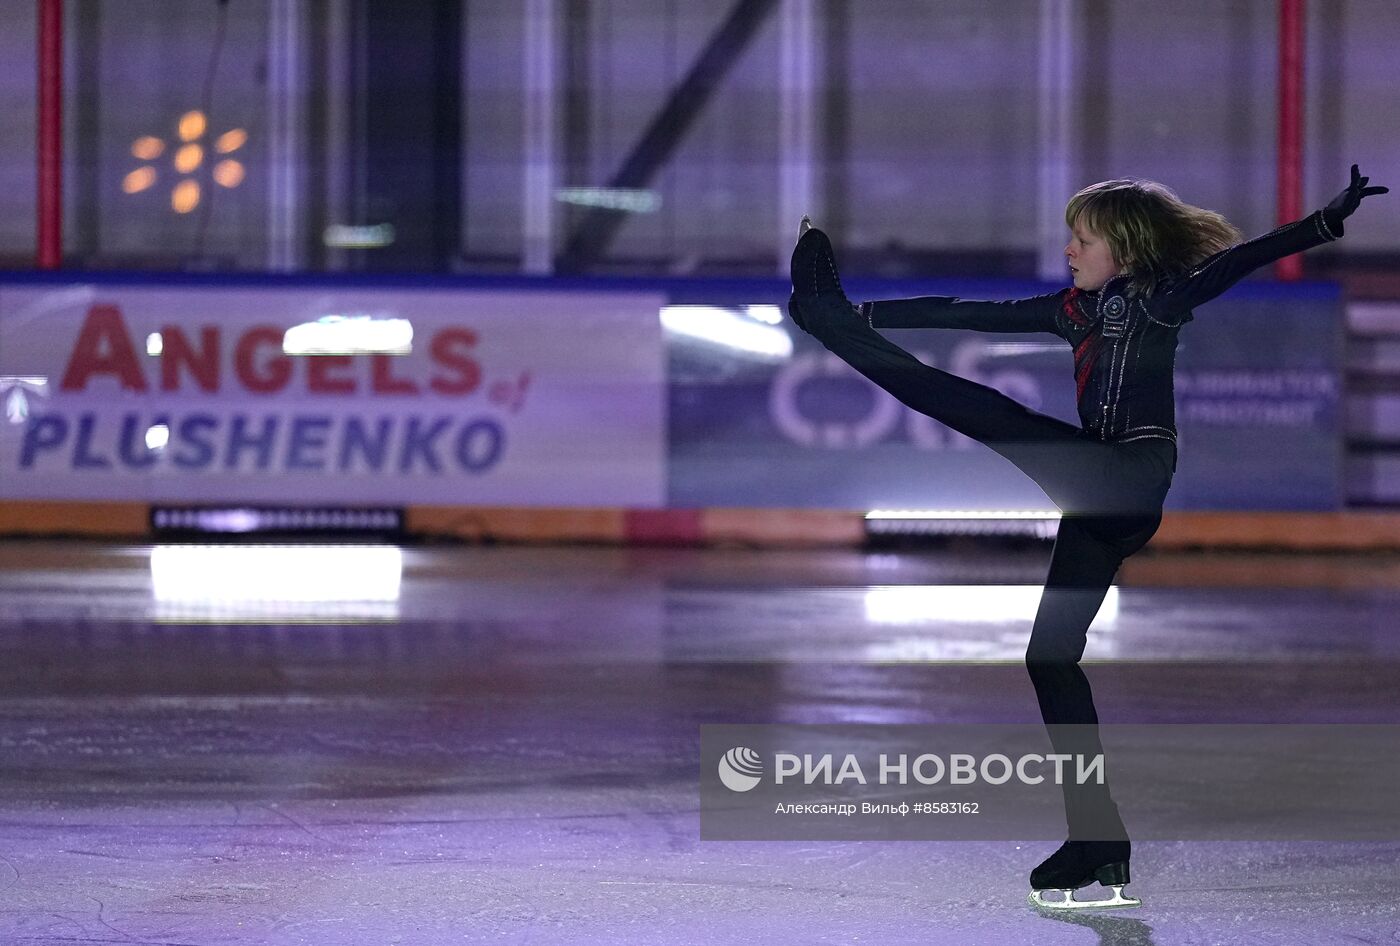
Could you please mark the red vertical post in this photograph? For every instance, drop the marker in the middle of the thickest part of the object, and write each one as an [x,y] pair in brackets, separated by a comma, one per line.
[50,201]
[1290,127]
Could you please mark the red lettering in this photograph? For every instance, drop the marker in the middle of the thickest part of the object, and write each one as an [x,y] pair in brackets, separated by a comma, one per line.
[383,380]
[447,349]
[319,379]
[203,365]
[103,347]
[278,370]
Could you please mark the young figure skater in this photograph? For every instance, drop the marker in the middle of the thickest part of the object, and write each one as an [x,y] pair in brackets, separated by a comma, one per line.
[1141,260]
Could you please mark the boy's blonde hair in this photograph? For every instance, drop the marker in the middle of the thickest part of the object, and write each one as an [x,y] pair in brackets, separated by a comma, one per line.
[1149,229]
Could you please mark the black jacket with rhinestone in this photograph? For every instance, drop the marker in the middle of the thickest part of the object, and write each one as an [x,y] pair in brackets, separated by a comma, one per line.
[1124,344]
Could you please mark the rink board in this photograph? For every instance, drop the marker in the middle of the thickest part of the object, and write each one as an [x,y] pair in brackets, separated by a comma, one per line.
[604,394]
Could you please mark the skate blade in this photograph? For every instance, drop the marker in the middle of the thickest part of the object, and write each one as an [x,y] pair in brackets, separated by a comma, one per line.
[1037,899]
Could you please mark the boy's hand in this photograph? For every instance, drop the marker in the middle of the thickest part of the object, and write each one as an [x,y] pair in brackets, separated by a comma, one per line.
[1345,203]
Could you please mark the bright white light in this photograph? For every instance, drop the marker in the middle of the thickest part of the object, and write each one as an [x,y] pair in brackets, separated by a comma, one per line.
[229,520]
[964,604]
[962,514]
[352,237]
[613,198]
[940,648]
[1019,348]
[257,574]
[17,406]
[154,344]
[727,328]
[769,314]
[157,436]
[15,390]
[35,383]
[349,335]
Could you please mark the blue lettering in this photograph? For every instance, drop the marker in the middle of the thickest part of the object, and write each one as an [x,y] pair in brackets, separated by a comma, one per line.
[308,434]
[479,445]
[420,443]
[43,432]
[357,439]
[239,440]
[83,457]
[196,452]
[132,449]
[195,443]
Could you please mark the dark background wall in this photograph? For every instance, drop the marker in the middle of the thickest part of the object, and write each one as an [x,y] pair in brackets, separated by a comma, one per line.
[927,152]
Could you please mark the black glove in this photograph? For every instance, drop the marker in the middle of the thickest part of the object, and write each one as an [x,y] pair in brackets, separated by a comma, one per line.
[1345,203]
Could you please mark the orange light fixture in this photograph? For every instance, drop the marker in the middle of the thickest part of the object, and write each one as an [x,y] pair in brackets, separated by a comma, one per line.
[147,148]
[228,173]
[139,179]
[231,141]
[188,158]
[192,125]
[185,196]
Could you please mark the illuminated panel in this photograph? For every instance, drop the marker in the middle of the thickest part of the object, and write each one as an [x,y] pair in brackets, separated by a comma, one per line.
[243,574]
[751,332]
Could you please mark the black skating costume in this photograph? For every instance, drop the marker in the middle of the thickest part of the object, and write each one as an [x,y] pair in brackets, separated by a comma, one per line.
[1108,477]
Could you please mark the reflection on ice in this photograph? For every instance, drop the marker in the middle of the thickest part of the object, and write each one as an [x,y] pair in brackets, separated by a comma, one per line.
[981,604]
[339,581]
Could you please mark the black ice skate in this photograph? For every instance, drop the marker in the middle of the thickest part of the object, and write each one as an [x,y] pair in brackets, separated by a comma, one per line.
[814,263]
[813,273]
[1077,864]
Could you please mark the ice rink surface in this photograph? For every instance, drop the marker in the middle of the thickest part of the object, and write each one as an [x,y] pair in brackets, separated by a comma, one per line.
[504,750]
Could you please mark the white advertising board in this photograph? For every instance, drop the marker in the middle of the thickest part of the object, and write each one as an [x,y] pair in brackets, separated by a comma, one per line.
[298,395]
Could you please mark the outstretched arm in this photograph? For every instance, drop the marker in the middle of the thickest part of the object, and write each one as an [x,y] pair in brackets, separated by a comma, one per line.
[1217,273]
[1036,314]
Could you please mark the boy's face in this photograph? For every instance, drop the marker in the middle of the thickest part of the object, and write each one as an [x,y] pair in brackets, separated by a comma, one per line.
[1090,260]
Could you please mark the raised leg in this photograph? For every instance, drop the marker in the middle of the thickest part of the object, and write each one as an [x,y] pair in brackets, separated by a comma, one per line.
[1079,474]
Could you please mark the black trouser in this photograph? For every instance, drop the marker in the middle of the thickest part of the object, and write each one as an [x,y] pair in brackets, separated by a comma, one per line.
[1109,494]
